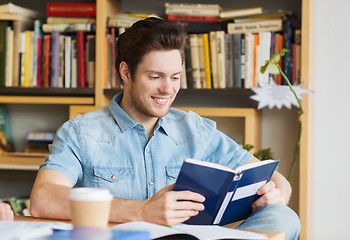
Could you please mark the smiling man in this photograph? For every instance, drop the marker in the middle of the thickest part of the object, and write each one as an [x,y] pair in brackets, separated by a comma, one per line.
[136,145]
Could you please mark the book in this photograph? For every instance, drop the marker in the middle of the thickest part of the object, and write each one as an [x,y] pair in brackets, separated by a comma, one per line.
[192,9]
[81,59]
[274,25]
[185,231]
[54,61]
[14,9]
[6,137]
[9,57]
[3,42]
[67,61]
[90,63]
[236,56]
[68,27]
[74,62]
[241,12]
[196,68]
[193,18]
[188,64]
[221,60]
[207,60]
[54,20]
[214,59]
[297,57]
[229,60]
[71,9]
[229,193]
[80,233]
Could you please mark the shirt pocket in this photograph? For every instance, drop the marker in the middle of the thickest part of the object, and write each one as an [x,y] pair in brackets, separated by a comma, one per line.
[171,174]
[112,174]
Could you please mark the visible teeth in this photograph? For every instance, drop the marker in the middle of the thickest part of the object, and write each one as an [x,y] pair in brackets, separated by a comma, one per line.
[161,100]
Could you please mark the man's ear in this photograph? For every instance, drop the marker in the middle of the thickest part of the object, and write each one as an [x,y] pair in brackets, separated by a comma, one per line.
[124,72]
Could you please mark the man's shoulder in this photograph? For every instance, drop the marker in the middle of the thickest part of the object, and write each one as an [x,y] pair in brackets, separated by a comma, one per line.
[189,117]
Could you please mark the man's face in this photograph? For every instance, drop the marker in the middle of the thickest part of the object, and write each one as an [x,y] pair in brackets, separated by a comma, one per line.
[155,84]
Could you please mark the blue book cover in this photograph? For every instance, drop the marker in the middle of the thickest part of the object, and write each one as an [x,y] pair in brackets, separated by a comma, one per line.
[229,193]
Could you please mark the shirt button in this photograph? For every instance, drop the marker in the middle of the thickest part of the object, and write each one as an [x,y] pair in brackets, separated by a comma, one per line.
[113,176]
[147,150]
[151,183]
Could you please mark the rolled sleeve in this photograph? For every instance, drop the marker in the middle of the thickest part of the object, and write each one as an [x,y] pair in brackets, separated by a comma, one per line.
[65,153]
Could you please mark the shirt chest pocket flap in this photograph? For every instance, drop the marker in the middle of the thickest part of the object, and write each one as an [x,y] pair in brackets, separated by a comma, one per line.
[112,174]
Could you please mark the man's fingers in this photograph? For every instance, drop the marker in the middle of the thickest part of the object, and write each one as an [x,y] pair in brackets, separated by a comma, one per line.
[266,188]
[189,196]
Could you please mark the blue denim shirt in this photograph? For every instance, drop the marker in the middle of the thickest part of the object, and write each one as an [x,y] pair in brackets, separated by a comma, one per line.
[106,148]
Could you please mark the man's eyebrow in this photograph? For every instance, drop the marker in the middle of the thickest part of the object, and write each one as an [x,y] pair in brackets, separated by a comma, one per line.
[162,73]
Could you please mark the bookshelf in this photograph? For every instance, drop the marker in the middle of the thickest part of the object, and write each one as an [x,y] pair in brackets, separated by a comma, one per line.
[91,99]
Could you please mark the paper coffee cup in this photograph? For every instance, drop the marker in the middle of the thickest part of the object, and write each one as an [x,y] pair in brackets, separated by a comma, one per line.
[90,207]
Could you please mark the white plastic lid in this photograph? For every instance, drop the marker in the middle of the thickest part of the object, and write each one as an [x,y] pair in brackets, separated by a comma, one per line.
[90,194]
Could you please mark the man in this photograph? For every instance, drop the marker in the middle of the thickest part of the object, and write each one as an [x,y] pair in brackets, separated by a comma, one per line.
[6,213]
[136,145]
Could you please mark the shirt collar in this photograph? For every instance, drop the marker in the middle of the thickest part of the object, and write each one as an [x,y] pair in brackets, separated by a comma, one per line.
[125,122]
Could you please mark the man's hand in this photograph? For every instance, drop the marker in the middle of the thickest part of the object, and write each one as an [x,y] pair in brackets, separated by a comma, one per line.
[6,213]
[172,207]
[269,194]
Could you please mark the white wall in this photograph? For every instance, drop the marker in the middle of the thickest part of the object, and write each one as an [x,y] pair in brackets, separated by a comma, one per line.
[331,188]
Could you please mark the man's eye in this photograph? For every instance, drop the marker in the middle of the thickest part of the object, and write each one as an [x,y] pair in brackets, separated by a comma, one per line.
[153,77]
[176,77]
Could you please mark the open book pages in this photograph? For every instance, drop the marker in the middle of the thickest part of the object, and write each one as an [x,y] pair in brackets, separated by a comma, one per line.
[224,168]
[29,230]
[202,232]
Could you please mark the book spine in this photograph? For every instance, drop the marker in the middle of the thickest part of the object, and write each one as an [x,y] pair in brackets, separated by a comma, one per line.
[192,11]
[54,63]
[195,61]
[114,70]
[81,59]
[37,34]
[193,18]
[9,57]
[201,60]
[106,84]
[74,62]
[47,60]
[27,75]
[214,59]
[241,12]
[68,28]
[236,55]
[91,61]
[61,62]
[243,60]
[256,60]
[3,38]
[229,60]
[71,9]
[67,20]
[207,60]
[188,64]
[221,58]
[39,60]
[67,61]
[255,27]
[297,64]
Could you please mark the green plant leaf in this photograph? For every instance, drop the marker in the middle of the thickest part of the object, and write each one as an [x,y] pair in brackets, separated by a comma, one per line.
[272,68]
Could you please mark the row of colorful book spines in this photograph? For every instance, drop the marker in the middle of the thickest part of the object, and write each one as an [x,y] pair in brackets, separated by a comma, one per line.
[47,67]
[288,66]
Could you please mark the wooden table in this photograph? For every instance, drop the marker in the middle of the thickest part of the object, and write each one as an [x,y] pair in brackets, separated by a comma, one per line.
[271,235]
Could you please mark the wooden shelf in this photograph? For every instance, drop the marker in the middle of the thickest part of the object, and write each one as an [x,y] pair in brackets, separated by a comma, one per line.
[47,95]
[21,162]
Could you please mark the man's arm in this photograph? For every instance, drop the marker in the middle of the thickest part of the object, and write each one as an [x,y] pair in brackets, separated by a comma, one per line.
[49,199]
[277,190]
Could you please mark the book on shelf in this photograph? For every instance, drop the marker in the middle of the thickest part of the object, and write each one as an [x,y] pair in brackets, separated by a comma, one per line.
[127,19]
[214,58]
[74,62]
[68,27]
[221,51]
[54,63]
[274,25]
[188,64]
[14,9]
[71,9]
[206,58]
[81,59]
[297,57]
[39,141]
[54,20]
[195,62]
[90,60]
[193,18]
[240,12]
[6,137]
[229,60]
[3,43]
[192,9]
[185,231]
[228,193]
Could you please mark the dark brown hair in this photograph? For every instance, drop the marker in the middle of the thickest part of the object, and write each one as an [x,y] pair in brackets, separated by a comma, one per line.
[144,36]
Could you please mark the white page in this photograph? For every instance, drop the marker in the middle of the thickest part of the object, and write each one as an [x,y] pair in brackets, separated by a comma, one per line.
[26,230]
[203,232]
